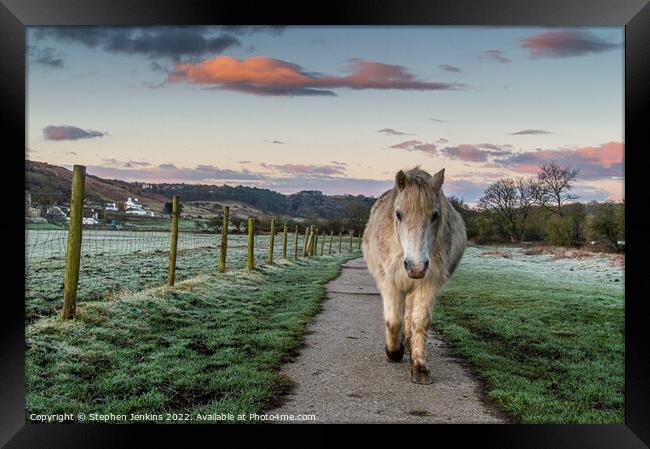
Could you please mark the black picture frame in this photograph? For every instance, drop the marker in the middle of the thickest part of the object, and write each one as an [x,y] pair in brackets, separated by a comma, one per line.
[634,15]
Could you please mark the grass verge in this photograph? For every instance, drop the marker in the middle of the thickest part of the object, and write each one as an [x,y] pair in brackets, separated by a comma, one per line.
[549,351]
[211,345]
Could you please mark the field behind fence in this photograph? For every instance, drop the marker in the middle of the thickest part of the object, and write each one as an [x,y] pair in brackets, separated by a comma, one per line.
[111,260]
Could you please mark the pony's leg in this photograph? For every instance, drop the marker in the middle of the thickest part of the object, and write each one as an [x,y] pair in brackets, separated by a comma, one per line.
[408,323]
[420,317]
[393,317]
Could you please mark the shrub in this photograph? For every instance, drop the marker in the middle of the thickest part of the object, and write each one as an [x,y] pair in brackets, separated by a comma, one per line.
[558,231]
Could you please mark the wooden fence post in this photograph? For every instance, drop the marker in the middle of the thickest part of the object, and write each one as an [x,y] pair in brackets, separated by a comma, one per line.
[360,239]
[271,240]
[224,240]
[350,249]
[331,238]
[251,244]
[295,244]
[322,243]
[340,242]
[73,255]
[285,228]
[171,272]
[305,243]
[314,237]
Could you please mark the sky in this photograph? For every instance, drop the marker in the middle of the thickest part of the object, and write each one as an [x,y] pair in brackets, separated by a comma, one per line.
[336,109]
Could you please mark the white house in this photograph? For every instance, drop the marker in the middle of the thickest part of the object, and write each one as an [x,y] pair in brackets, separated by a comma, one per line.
[132,203]
[111,207]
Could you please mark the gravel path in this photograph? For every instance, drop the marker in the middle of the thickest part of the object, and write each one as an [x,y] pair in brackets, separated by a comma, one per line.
[343,376]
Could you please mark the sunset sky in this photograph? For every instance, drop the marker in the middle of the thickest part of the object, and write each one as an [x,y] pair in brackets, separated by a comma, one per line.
[338,109]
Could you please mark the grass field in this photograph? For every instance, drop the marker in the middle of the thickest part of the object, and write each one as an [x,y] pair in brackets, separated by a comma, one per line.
[212,345]
[546,336]
[120,260]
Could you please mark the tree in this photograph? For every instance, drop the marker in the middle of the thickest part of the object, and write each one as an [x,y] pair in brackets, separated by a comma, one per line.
[555,184]
[510,200]
[576,217]
[356,216]
[169,206]
[607,223]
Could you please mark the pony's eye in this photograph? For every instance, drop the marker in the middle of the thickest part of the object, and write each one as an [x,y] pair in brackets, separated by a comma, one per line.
[434,217]
[398,215]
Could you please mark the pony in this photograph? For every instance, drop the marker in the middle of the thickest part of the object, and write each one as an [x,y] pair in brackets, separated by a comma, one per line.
[412,243]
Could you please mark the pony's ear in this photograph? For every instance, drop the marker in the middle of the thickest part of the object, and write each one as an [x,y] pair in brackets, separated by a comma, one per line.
[400,179]
[438,179]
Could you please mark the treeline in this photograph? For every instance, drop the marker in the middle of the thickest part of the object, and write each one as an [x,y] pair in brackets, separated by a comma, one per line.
[307,203]
[353,217]
[543,209]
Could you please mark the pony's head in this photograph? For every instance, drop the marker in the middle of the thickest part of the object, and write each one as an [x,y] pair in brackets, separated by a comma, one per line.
[417,211]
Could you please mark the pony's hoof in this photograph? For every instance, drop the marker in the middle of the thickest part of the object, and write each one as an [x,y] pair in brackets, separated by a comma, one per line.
[420,375]
[395,356]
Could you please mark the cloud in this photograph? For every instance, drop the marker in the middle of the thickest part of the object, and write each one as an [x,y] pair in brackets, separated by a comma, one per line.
[450,68]
[393,132]
[601,162]
[342,164]
[437,120]
[416,145]
[127,164]
[154,42]
[261,75]
[277,142]
[310,170]
[45,57]
[565,43]
[69,133]
[530,131]
[172,173]
[495,56]
[473,153]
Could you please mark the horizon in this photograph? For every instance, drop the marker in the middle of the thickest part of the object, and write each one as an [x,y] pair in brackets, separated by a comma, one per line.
[334,109]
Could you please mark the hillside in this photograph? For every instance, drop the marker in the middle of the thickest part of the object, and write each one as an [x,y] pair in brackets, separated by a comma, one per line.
[50,183]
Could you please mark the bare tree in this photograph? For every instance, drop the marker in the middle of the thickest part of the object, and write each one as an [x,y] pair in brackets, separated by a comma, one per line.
[510,200]
[555,184]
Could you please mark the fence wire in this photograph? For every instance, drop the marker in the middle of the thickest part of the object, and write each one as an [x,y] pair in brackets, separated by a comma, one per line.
[135,256]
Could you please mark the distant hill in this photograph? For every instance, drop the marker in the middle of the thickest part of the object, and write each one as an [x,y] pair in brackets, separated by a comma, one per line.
[51,184]
[50,181]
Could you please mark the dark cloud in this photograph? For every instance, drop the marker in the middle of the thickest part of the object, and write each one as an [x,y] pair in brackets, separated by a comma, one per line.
[177,43]
[565,43]
[495,56]
[437,120]
[69,133]
[393,132]
[277,142]
[450,68]
[45,57]
[530,131]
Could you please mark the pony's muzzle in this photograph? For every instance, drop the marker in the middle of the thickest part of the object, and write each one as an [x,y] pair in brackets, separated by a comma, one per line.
[416,271]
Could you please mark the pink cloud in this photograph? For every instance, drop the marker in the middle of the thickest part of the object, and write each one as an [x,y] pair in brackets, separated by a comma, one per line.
[603,161]
[262,75]
[473,153]
[495,56]
[303,169]
[416,145]
[565,43]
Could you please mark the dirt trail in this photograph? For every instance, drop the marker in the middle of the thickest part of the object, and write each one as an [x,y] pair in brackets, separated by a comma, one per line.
[343,376]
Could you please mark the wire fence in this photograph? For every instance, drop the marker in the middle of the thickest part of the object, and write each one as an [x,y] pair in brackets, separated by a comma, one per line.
[115,260]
